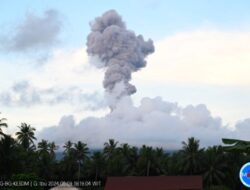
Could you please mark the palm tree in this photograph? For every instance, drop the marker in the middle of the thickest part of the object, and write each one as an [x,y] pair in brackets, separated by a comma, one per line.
[114,158]
[173,166]
[81,153]
[161,161]
[69,164]
[130,156]
[26,135]
[68,147]
[45,160]
[97,164]
[215,166]
[3,124]
[133,160]
[110,147]
[8,155]
[146,159]
[43,147]
[191,157]
[125,150]
[52,148]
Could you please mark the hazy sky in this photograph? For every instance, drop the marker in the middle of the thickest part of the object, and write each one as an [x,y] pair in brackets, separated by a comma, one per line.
[201,57]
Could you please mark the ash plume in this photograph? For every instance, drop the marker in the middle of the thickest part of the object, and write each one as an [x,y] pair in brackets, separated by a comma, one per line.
[154,122]
[120,50]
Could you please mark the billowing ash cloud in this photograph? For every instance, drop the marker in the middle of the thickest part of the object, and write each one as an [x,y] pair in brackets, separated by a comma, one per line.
[154,122]
[26,95]
[121,51]
[34,33]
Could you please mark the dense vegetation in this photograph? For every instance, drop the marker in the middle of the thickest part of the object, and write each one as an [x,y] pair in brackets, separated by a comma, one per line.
[20,158]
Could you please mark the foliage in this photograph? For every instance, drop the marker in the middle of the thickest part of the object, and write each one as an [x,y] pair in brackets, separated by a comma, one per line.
[2,124]
[26,135]
[236,145]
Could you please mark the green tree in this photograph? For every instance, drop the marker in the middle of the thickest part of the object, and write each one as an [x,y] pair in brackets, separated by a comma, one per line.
[130,157]
[68,148]
[146,160]
[161,162]
[52,148]
[44,160]
[81,154]
[110,148]
[114,158]
[215,166]
[191,157]
[69,164]
[173,164]
[2,124]
[9,161]
[96,165]
[26,135]
[43,147]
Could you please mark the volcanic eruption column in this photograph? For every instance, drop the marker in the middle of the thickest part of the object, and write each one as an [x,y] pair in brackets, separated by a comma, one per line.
[120,51]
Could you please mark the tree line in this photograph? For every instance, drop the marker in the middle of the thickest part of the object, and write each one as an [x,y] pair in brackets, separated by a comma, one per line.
[24,158]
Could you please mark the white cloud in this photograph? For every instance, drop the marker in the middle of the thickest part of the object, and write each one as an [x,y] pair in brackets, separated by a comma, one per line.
[155,122]
[67,67]
[34,33]
[66,77]
[23,94]
[202,56]
[242,129]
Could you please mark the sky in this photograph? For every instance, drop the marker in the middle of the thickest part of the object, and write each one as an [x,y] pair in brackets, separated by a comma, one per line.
[200,66]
